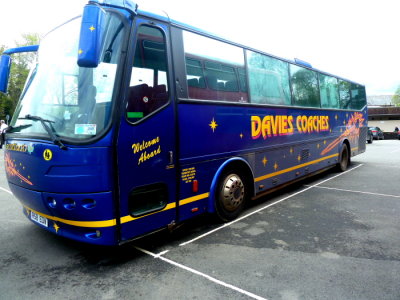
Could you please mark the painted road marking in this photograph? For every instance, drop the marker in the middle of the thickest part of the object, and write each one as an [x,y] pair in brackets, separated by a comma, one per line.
[5,190]
[208,277]
[358,192]
[265,207]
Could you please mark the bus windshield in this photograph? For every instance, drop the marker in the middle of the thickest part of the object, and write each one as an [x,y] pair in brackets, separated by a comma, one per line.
[73,102]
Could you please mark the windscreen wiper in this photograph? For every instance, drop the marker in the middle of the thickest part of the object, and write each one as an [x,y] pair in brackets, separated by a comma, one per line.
[56,140]
[16,128]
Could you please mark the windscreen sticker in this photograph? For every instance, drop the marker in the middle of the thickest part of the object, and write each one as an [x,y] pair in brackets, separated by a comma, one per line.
[47,154]
[87,129]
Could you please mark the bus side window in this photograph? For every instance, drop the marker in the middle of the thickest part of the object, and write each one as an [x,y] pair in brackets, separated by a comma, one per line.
[344,94]
[268,79]
[304,87]
[148,89]
[212,69]
[329,91]
[358,96]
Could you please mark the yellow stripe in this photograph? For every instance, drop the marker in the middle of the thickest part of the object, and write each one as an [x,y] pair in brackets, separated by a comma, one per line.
[127,219]
[106,223]
[193,199]
[294,168]
[113,222]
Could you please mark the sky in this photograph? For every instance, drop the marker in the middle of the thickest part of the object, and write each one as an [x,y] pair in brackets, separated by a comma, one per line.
[355,39]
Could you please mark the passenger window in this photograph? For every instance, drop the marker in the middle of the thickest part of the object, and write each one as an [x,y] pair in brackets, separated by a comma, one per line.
[148,89]
[329,91]
[304,87]
[195,75]
[268,79]
[221,77]
[358,96]
[344,94]
[215,70]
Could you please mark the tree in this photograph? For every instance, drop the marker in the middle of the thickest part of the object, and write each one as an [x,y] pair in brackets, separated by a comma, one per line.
[19,72]
[396,97]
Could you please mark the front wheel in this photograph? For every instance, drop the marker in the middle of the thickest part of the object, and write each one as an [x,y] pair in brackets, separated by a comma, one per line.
[231,196]
[344,158]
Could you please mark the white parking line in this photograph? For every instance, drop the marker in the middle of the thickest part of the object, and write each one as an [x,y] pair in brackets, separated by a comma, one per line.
[265,207]
[394,151]
[358,192]
[5,190]
[230,286]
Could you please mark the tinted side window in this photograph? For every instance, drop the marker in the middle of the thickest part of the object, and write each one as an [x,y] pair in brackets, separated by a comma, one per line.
[329,91]
[242,80]
[268,79]
[358,96]
[221,77]
[195,76]
[148,89]
[304,86]
[213,69]
[344,94]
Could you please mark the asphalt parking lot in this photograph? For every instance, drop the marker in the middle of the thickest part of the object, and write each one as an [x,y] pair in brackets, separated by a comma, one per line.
[335,236]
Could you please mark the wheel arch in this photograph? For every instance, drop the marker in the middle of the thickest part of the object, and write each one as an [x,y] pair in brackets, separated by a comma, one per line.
[235,163]
[346,143]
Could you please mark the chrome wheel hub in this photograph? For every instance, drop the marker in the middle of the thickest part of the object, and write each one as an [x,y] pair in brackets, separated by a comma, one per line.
[232,192]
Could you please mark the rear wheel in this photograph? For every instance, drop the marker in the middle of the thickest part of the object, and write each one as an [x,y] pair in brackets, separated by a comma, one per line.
[344,158]
[231,196]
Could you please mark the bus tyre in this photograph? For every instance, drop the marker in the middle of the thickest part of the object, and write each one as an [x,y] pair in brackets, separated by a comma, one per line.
[231,196]
[344,158]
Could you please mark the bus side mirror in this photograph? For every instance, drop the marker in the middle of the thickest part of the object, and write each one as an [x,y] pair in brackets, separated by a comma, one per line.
[5,65]
[91,36]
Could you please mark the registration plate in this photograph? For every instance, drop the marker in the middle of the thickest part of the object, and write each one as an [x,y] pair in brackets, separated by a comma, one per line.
[39,219]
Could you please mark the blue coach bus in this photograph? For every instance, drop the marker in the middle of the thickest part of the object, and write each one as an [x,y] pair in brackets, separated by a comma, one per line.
[132,122]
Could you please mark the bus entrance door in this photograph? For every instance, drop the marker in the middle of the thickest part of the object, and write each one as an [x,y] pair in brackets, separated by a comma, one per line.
[146,143]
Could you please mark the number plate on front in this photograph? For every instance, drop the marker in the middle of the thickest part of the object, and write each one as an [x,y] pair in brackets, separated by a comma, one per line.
[39,219]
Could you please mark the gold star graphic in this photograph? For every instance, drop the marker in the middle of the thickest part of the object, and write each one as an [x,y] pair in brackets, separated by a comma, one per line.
[92,28]
[213,125]
[291,150]
[299,158]
[336,117]
[325,142]
[276,166]
[56,227]
[80,51]
[241,135]
[264,161]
